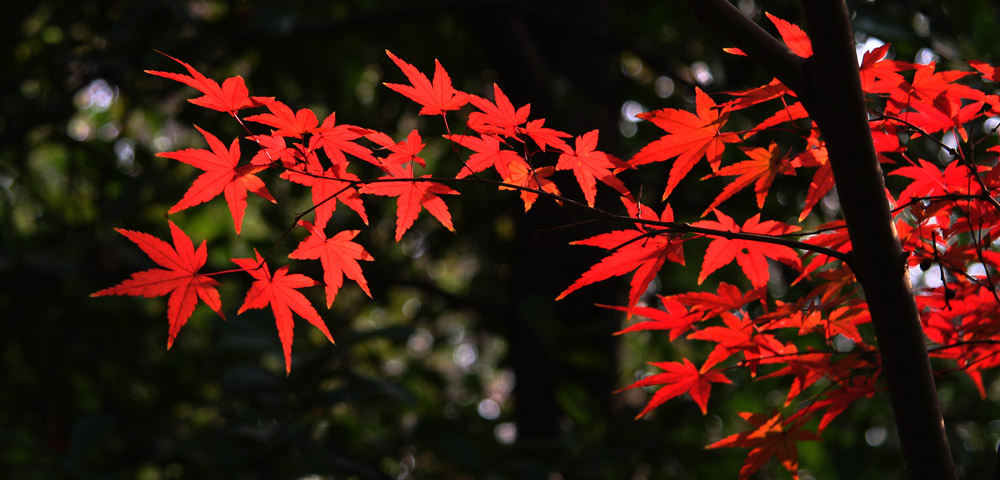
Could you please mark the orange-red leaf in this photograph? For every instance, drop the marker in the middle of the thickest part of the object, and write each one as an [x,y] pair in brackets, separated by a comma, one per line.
[793,36]
[677,379]
[339,256]
[772,438]
[230,97]
[328,187]
[488,154]
[674,317]
[287,122]
[760,170]
[279,291]
[640,250]
[750,255]
[179,278]
[499,118]
[690,137]
[412,194]
[436,97]
[589,165]
[222,175]
[521,174]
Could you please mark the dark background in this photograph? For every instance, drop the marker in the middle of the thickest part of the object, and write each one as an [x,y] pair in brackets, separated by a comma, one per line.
[462,366]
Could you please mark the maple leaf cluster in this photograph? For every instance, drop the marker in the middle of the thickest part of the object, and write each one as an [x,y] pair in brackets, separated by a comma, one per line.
[946,217]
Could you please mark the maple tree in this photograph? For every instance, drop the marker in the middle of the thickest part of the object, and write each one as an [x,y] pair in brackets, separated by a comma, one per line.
[855,267]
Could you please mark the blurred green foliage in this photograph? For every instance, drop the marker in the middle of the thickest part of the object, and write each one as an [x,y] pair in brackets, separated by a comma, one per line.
[462,366]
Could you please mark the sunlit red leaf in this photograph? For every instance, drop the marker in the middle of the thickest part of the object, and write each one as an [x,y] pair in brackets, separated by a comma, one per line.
[338,254]
[230,97]
[178,278]
[750,255]
[690,137]
[280,292]
[437,96]
[222,176]
[677,379]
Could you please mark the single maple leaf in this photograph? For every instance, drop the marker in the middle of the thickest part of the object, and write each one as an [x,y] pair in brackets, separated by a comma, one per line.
[822,180]
[336,140]
[545,136]
[793,36]
[677,379]
[400,153]
[275,151]
[690,137]
[222,175]
[750,255]
[328,187]
[772,438]
[737,333]
[230,97]
[929,180]
[179,277]
[878,74]
[590,165]
[674,317]
[789,113]
[836,401]
[279,291]
[760,170]
[728,298]
[500,118]
[338,254]
[522,175]
[753,96]
[436,97]
[287,123]
[412,194]
[642,250]
[488,154]
[988,71]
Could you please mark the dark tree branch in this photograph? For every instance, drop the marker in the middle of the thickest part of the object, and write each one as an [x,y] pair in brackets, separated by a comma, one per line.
[766,51]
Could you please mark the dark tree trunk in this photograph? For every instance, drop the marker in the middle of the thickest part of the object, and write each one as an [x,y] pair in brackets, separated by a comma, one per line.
[829,86]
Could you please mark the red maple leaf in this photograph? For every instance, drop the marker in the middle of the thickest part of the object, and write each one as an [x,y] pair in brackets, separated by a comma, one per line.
[522,175]
[328,187]
[641,250]
[230,97]
[500,118]
[674,317]
[760,170]
[488,154]
[750,255]
[929,180]
[279,291]
[436,97]
[179,278]
[404,152]
[336,140]
[287,122]
[690,136]
[412,194]
[275,151]
[771,438]
[677,379]
[545,136]
[590,165]
[222,175]
[338,254]
[728,298]
[793,36]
